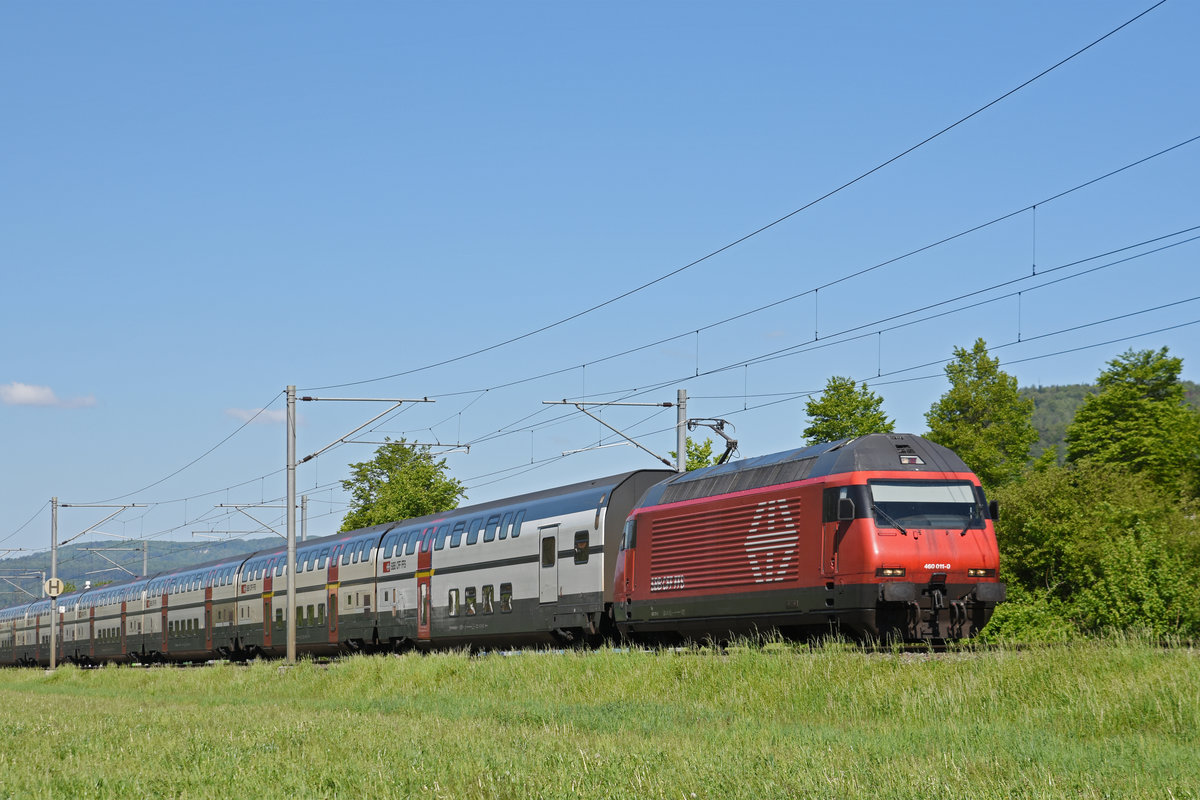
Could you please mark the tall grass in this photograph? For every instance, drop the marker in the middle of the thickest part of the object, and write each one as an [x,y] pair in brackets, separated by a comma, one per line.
[1119,718]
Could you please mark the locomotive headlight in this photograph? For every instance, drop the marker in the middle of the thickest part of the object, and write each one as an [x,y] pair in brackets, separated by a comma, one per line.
[981,573]
[889,572]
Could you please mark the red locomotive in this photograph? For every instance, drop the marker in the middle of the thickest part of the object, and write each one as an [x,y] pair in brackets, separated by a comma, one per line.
[884,536]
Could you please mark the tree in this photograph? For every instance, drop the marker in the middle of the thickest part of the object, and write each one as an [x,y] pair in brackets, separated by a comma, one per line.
[400,482]
[699,456]
[1141,419]
[1097,546]
[844,410]
[983,417]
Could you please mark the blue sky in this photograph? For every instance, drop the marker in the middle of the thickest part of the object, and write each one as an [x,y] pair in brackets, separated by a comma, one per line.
[201,204]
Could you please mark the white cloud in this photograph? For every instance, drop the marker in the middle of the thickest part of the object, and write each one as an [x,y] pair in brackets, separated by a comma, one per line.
[260,417]
[23,394]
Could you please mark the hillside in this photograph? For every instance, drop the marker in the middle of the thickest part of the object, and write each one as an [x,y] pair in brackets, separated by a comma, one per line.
[1054,407]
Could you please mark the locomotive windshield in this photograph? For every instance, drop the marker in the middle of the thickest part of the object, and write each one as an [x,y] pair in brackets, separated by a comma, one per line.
[957,505]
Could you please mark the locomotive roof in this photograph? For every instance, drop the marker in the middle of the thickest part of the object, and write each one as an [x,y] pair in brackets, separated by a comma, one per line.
[902,452]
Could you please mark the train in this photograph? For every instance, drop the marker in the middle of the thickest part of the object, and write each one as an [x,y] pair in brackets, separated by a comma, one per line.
[885,537]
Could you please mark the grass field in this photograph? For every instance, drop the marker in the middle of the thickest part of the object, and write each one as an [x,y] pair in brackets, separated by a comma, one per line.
[1115,719]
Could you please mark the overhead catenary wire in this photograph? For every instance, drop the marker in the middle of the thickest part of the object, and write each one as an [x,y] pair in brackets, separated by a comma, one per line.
[754,233]
[838,338]
[744,364]
[830,340]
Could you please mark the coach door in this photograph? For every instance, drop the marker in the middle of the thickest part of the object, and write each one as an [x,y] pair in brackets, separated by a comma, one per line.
[208,618]
[424,574]
[268,599]
[124,641]
[548,573]
[164,618]
[333,583]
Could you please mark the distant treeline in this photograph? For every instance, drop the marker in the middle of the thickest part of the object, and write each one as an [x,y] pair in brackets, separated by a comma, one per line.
[76,565]
[1054,407]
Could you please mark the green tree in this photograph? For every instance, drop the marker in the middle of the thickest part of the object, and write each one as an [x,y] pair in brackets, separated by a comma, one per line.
[844,410]
[983,417]
[400,482]
[1096,546]
[699,456]
[1141,419]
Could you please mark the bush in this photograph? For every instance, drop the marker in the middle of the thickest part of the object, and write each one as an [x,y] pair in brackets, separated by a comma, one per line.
[1097,547]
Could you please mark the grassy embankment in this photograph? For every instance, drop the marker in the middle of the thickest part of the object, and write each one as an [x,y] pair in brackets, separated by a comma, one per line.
[1114,719]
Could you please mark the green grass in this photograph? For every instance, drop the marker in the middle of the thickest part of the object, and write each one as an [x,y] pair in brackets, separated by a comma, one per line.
[1113,719]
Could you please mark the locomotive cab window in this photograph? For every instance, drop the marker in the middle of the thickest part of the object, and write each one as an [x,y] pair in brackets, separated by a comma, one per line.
[951,505]
[831,502]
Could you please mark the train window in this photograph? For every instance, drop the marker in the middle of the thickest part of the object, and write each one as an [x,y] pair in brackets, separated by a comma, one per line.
[629,540]
[311,614]
[506,524]
[506,598]
[452,603]
[493,525]
[548,551]
[456,533]
[321,613]
[366,602]
[581,547]
[413,537]
[831,497]
[488,594]
[324,559]
[353,556]
[473,531]
[516,531]
[442,532]
[279,619]
[470,601]
[926,504]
